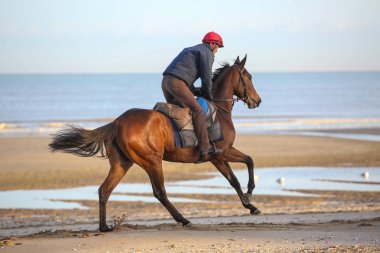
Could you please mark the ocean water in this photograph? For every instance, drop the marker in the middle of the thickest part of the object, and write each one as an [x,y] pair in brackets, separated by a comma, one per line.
[42,104]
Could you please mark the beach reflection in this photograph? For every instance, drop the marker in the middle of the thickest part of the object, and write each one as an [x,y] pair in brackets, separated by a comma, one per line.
[286,181]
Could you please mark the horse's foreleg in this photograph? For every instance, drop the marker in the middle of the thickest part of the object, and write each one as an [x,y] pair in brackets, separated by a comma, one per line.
[227,172]
[235,155]
[157,179]
[119,166]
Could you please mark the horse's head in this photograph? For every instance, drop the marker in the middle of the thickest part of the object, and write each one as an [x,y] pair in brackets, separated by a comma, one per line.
[243,85]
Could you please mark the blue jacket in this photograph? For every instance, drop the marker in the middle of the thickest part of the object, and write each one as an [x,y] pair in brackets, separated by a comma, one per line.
[193,63]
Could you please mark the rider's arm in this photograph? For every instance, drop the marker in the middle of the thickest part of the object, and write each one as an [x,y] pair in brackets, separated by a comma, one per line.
[206,61]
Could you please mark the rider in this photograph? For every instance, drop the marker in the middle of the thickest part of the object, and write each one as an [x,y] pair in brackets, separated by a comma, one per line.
[178,85]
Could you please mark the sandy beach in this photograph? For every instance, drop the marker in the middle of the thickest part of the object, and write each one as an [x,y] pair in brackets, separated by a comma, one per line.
[26,163]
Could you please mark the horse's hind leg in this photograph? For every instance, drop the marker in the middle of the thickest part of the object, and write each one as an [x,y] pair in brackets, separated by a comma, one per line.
[157,179]
[119,166]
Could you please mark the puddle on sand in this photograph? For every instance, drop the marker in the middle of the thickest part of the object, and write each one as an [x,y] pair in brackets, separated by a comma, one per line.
[269,181]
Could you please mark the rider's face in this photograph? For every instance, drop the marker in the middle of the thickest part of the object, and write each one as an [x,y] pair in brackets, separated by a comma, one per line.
[214,48]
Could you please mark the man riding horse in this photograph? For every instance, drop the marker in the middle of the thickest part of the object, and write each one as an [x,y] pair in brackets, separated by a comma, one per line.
[146,137]
[178,85]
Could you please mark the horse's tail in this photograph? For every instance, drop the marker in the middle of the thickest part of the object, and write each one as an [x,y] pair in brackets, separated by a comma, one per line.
[82,142]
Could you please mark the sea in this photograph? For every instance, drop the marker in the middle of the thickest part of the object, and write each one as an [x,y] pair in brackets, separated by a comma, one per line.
[302,103]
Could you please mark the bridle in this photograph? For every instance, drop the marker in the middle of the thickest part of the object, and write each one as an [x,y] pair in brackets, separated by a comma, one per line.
[241,80]
[236,99]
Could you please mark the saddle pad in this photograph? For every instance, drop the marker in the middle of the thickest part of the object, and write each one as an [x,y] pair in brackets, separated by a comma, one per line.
[183,127]
[204,104]
[177,134]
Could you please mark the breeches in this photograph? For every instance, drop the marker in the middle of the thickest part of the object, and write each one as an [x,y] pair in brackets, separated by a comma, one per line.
[177,92]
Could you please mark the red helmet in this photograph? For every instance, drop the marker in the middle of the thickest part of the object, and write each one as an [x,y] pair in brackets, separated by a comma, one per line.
[213,37]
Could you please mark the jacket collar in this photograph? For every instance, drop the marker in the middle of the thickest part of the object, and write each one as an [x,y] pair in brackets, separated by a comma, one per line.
[208,46]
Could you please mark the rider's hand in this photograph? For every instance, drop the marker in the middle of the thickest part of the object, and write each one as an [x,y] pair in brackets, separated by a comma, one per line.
[208,97]
[198,92]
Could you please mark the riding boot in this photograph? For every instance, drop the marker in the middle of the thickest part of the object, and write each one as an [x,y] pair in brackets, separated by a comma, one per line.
[210,152]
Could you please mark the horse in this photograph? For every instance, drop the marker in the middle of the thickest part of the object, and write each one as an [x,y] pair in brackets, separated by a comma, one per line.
[146,137]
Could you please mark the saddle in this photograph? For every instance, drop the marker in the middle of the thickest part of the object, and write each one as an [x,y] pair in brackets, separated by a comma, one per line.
[181,119]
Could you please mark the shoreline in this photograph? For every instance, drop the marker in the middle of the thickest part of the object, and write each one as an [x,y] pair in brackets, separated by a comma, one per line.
[244,124]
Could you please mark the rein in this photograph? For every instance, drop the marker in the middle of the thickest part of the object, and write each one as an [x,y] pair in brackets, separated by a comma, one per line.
[237,99]
[221,107]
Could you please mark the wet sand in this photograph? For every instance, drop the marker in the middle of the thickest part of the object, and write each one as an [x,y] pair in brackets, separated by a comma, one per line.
[26,163]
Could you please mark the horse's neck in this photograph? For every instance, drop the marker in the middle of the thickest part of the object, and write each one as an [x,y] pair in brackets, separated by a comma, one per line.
[223,94]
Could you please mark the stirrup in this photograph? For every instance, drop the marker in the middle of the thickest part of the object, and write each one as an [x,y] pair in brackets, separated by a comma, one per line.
[211,151]
[201,159]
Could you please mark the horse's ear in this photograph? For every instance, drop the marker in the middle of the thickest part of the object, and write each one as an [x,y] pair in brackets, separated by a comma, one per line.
[237,61]
[242,63]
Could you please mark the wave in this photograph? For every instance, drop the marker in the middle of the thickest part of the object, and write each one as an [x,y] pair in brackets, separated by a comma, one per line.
[45,128]
[5,126]
[310,122]
[242,124]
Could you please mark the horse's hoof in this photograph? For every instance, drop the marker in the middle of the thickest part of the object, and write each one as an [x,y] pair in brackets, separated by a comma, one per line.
[105,229]
[255,212]
[188,225]
[246,198]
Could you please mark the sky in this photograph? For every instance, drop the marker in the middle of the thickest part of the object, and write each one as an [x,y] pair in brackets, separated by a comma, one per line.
[122,36]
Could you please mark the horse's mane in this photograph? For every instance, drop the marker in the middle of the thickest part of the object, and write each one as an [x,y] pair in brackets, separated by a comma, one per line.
[219,71]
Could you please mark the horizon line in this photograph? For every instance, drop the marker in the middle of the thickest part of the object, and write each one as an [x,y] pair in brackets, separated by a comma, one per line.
[151,72]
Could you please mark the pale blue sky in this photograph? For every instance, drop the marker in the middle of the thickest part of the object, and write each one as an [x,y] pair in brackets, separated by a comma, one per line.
[86,36]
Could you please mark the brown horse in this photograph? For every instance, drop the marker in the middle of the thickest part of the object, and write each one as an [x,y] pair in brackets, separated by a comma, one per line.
[146,137]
